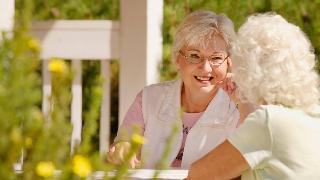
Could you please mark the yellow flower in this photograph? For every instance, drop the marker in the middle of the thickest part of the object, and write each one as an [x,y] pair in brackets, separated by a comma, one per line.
[45,168]
[57,65]
[81,166]
[28,142]
[34,45]
[37,115]
[138,139]
[16,135]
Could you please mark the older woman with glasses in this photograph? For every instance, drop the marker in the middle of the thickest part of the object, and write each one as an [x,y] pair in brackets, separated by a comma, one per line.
[203,112]
[273,68]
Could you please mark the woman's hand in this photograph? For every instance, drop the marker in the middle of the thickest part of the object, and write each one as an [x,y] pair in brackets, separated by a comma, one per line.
[230,87]
[244,108]
[119,151]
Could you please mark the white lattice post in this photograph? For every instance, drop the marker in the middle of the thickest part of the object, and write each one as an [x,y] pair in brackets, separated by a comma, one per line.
[76,104]
[141,48]
[81,39]
[46,89]
[6,15]
[105,108]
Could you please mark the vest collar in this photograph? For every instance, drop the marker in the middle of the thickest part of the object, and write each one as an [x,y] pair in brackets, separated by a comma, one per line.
[217,111]
[171,104]
[215,114]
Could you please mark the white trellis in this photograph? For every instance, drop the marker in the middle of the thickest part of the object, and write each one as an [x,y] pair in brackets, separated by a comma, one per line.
[76,41]
[6,15]
[135,40]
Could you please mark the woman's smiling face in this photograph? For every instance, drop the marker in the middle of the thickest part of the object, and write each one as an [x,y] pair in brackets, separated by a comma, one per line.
[203,76]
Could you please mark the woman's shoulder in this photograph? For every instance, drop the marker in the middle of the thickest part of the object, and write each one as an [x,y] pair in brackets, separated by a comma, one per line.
[280,117]
[283,111]
[279,112]
[274,114]
[162,85]
[315,111]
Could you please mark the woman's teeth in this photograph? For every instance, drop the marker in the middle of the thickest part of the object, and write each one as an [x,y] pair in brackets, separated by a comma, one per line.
[202,78]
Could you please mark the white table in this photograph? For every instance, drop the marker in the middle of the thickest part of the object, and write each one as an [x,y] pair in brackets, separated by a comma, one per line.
[137,174]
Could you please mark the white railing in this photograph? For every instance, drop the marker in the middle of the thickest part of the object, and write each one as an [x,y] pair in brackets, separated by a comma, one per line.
[138,174]
[6,15]
[76,41]
[136,40]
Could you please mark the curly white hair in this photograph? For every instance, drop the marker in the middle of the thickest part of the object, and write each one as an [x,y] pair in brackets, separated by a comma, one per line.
[274,63]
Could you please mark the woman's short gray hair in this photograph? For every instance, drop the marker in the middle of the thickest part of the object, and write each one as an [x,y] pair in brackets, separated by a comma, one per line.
[199,28]
[274,63]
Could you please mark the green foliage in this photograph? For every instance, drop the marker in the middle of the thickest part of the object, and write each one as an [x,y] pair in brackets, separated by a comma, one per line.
[114,98]
[76,9]
[19,94]
[92,96]
[52,143]
[44,140]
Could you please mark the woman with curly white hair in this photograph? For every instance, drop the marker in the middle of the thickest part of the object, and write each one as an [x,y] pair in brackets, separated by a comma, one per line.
[273,69]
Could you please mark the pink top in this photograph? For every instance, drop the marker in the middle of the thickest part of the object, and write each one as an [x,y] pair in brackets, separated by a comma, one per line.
[134,117]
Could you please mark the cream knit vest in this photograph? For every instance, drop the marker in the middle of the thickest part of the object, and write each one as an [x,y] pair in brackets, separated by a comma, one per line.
[161,112]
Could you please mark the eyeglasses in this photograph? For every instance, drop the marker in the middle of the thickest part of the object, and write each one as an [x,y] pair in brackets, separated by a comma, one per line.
[195,58]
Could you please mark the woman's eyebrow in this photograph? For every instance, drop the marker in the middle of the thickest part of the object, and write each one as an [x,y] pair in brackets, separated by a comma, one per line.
[193,50]
[218,53]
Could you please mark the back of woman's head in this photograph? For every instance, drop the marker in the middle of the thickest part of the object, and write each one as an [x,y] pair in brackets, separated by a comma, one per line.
[274,63]
[199,27]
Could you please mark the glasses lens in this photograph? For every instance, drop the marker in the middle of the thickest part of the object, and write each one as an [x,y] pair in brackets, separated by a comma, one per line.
[216,60]
[193,57]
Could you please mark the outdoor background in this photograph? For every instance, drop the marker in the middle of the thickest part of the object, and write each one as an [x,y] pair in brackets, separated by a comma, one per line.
[23,126]
[302,13]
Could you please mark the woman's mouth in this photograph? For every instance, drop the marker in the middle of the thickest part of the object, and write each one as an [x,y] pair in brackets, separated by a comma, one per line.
[203,79]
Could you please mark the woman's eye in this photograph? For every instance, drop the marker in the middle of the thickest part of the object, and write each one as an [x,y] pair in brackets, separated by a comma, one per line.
[196,56]
[216,59]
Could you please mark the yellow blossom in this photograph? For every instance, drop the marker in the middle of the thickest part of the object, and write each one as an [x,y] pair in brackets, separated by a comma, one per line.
[37,115]
[45,168]
[34,45]
[15,135]
[28,142]
[57,65]
[81,166]
[138,139]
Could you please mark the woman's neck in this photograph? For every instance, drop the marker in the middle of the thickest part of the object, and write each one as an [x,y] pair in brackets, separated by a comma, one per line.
[196,102]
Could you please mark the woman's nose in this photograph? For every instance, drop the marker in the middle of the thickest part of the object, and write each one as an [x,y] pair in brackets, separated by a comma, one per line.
[205,65]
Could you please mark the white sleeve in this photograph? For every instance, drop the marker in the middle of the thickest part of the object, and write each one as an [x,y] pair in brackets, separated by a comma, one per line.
[253,139]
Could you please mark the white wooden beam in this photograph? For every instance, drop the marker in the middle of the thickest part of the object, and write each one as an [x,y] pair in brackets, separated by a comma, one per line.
[141,48]
[46,89]
[154,39]
[76,104]
[78,39]
[105,108]
[6,15]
